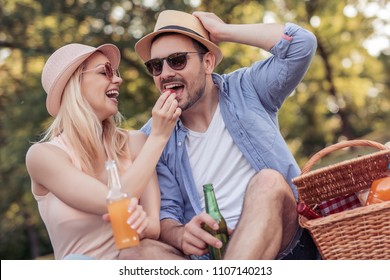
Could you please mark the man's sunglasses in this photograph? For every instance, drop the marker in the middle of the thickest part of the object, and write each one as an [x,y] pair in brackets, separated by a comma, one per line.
[108,70]
[177,61]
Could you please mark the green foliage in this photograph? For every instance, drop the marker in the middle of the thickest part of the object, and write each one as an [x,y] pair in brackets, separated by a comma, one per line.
[345,93]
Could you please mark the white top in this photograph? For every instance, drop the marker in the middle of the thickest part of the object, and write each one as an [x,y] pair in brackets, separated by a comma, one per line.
[215,159]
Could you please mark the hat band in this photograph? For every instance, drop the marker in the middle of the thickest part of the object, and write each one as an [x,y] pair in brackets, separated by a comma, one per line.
[181,28]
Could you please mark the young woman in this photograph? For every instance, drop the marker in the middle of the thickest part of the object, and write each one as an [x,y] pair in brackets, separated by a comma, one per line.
[67,167]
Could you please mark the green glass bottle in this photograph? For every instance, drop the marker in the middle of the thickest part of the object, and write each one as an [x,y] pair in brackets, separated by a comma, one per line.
[213,210]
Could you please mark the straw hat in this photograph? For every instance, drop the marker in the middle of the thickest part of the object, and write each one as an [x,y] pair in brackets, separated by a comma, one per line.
[61,65]
[177,22]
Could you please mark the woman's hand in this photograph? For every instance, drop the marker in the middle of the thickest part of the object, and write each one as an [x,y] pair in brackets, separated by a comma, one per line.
[165,114]
[138,219]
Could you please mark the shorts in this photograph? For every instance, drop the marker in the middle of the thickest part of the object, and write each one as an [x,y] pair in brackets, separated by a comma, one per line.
[301,247]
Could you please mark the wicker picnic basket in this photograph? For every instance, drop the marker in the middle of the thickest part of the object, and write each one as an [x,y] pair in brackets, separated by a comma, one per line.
[360,233]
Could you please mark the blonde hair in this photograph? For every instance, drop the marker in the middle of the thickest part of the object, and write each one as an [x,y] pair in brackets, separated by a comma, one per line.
[84,132]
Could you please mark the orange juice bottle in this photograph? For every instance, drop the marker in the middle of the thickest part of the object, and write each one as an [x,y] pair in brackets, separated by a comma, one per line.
[117,204]
[380,190]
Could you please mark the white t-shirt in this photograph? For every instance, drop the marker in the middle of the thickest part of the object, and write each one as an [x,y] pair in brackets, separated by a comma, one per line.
[215,159]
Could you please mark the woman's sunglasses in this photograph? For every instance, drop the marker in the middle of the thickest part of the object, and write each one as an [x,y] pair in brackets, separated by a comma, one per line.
[108,70]
[177,61]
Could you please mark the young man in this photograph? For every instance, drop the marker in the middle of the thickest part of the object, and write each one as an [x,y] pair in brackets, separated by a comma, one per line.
[228,135]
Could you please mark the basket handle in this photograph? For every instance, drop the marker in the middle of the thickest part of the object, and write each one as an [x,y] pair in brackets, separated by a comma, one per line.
[345,144]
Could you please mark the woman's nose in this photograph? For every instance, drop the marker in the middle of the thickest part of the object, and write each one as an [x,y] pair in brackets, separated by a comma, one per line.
[116,79]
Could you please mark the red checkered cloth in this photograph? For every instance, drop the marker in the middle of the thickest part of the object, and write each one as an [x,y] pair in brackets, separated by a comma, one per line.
[339,204]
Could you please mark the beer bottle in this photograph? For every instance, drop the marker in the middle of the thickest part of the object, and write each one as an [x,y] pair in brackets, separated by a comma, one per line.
[117,204]
[213,210]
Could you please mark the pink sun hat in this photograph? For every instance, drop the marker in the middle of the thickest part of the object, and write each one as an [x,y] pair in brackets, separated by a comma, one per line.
[61,65]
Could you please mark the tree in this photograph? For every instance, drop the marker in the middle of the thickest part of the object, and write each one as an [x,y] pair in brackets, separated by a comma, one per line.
[343,95]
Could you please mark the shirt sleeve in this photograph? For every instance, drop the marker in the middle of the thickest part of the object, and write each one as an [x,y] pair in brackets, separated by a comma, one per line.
[147,127]
[172,204]
[276,77]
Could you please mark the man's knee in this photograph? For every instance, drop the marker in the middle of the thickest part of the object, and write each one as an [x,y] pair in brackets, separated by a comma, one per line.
[269,182]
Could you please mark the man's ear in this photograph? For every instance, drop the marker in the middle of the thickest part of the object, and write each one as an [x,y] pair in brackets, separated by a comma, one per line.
[209,62]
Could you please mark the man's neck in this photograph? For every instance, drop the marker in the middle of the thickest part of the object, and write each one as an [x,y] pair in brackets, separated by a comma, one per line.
[199,116]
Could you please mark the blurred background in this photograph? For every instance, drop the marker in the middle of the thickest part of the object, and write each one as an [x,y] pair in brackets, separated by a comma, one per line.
[345,94]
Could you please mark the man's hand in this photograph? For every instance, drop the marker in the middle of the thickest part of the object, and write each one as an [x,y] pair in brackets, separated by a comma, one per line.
[195,239]
[213,24]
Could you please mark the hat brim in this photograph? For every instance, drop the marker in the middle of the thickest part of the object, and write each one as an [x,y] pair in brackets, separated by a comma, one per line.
[144,45]
[54,94]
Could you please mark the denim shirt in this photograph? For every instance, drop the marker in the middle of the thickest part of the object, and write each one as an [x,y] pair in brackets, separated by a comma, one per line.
[249,100]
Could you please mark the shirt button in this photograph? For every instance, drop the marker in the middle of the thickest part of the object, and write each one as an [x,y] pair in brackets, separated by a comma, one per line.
[179,143]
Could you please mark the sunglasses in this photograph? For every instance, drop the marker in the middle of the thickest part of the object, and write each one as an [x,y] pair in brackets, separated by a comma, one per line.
[108,70]
[177,61]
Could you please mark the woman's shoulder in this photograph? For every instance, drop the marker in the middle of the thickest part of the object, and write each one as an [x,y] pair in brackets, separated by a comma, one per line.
[40,150]
[37,168]
[37,149]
